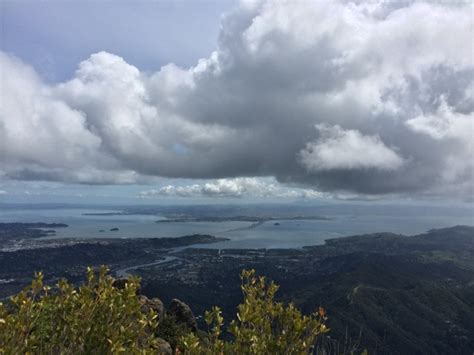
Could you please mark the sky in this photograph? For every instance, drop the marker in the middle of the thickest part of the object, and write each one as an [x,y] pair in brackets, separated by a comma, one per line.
[159,101]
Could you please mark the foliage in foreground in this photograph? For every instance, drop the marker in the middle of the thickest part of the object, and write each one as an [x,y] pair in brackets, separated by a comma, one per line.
[95,318]
[102,319]
[263,326]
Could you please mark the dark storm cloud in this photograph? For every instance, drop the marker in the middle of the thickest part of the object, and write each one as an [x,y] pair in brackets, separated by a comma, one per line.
[336,96]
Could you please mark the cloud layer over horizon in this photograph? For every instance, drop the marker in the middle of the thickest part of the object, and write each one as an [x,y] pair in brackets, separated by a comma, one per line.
[233,188]
[366,98]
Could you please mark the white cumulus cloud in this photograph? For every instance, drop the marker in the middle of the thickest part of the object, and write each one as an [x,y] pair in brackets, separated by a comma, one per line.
[388,86]
[235,188]
[348,149]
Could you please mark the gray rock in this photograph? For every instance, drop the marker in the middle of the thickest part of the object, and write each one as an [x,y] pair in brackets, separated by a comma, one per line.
[183,314]
[147,304]
[163,347]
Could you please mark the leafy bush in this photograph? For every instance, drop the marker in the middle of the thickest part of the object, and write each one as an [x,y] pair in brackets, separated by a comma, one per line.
[98,318]
[171,330]
[95,318]
[263,326]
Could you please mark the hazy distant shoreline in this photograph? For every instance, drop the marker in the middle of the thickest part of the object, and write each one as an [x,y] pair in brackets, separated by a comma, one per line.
[247,226]
[256,220]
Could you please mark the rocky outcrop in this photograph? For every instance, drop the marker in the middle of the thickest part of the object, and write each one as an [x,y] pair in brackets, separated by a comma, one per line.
[155,304]
[163,347]
[177,318]
[183,314]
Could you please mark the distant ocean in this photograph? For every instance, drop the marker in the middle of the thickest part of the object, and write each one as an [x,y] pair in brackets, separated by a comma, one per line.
[271,234]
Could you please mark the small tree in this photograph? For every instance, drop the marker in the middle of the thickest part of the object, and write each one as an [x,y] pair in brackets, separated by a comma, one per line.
[95,318]
[263,326]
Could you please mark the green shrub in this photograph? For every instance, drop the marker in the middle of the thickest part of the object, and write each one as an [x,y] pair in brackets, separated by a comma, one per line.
[171,330]
[263,326]
[95,318]
[98,318]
